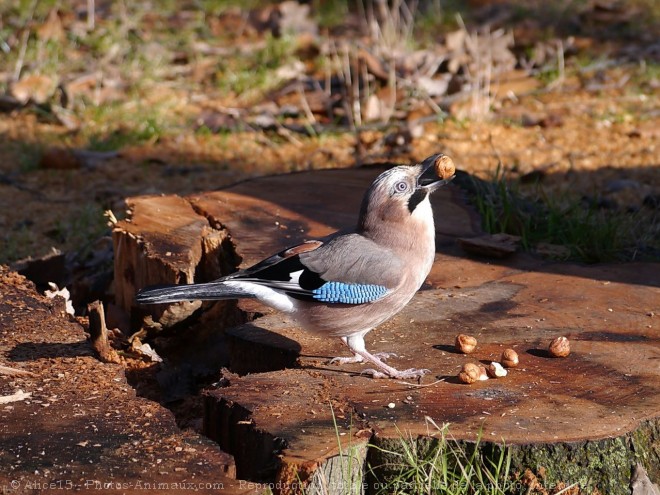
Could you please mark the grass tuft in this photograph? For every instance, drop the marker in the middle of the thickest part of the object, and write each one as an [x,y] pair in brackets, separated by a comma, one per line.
[442,465]
[435,463]
[589,232]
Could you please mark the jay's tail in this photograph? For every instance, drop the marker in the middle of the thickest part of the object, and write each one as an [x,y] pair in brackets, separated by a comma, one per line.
[211,291]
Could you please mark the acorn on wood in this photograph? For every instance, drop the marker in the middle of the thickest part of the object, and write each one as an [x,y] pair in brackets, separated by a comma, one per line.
[444,167]
[465,343]
[471,373]
[509,358]
[560,347]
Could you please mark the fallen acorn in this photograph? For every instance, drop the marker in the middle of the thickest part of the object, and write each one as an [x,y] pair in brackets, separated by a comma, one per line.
[465,343]
[509,358]
[470,373]
[559,347]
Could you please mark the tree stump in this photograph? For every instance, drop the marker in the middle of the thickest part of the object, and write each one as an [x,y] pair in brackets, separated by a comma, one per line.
[587,418]
[69,422]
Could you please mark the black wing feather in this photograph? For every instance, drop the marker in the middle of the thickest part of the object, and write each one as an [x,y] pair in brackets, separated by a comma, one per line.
[276,271]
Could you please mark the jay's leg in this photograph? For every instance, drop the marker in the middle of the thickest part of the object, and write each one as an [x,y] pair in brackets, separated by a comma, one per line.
[356,358]
[356,344]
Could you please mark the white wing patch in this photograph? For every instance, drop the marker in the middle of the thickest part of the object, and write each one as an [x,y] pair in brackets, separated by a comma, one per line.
[295,276]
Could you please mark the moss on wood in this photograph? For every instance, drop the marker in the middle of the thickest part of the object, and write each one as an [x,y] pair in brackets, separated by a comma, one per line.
[600,466]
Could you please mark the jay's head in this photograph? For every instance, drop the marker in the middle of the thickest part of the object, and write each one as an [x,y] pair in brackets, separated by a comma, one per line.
[402,192]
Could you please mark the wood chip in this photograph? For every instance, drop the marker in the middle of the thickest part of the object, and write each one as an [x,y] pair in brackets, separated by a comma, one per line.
[98,332]
[19,395]
[494,246]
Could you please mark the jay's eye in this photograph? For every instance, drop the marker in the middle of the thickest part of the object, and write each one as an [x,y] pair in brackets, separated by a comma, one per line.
[401,186]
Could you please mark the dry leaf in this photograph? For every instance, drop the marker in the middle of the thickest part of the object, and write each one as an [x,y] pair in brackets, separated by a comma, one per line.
[455,40]
[374,65]
[145,350]
[292,70]
[37,88]
[436,86]
[81,85]
[293,18]
[51,29]
[66,117]
[373,109]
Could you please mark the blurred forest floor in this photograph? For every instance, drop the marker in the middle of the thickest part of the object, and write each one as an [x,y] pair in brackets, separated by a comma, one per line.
[554,103]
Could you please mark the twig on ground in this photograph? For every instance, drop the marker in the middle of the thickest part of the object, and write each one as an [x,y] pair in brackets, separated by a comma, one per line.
[8,371]
[25,37]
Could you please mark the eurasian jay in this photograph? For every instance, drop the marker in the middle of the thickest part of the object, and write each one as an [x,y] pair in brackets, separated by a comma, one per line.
[349,282]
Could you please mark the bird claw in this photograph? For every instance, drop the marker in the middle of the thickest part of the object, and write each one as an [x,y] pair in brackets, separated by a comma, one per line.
[346,360]
[358,359]
[409,374]
[412,374]
[374,373]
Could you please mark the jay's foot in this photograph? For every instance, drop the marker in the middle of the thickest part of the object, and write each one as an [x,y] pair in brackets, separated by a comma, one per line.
[346,360]
[387,371]
[356,358]
[409,374]
[356,344]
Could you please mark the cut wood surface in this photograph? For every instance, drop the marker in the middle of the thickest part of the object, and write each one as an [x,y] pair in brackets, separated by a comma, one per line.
[556,413]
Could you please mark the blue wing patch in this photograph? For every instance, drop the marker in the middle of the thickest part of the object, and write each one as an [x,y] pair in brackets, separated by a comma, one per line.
[339,292]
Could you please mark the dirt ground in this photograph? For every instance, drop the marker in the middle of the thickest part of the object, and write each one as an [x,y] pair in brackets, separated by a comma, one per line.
[588,152]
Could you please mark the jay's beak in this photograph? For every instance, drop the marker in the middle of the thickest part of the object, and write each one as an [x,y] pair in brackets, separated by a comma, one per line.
[429,180]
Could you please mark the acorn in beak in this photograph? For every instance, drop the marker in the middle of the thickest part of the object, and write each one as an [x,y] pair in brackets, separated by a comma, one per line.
[437,171]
